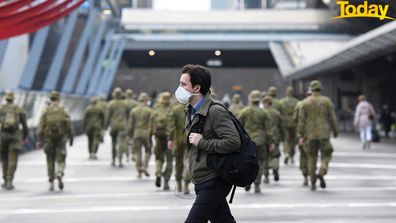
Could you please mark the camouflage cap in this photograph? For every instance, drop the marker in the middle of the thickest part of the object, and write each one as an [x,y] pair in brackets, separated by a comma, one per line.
[54,95]
[94,99]
[9,96]
[289,90]
[254,96]
[129,92]
[315,85]
[272,91]
[236,98]
[143,97]
[267,99]
[164,98]
[117,93]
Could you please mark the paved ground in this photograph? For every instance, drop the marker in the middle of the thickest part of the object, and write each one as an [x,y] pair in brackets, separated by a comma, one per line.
[361,188]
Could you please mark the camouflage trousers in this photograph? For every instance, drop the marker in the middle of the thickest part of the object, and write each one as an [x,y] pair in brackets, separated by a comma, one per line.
[303,161]
[119,144]
[10,148]
[272,160]
[163,155]
[312,148]
[180,154]
[289,143]
[138,144]
[94,139]
[262,153]
[55,149]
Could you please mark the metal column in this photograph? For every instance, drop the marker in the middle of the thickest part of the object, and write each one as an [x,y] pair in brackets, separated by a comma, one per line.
[113,69]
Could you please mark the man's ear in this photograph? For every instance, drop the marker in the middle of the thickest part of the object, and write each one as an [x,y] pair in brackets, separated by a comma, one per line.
[198,88]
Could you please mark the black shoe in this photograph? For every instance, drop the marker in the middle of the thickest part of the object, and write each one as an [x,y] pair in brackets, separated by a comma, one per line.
[305,183]
[322,181]
[51,187]
[9,185]
[313,187]
[276,175]
[147,174]
[286,160]
[247,188]
[60,183]
[158,181]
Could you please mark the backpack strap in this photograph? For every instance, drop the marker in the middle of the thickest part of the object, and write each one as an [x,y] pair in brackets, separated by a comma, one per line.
[232,194]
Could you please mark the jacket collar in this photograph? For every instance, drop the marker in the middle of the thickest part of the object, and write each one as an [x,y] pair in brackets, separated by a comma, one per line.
[203,110]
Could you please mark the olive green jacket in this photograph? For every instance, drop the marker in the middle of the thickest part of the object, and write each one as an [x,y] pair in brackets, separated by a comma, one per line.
[94,118]
[257,123]
[21,118]
[139,122]
[219,136]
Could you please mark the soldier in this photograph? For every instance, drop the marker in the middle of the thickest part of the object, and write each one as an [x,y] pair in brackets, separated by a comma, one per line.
[117,118]
[179,146]
[272,92]
[289,124]
[139,130]
[236,105]
[103,105]
[160,125]
[257,124]
[316,122]
[54,129]
[93,125]
[277,137]
[11,138]
[132,103]
[303,154]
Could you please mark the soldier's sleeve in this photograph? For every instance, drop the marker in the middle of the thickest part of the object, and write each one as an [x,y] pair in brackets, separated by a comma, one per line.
[267,128]
[171,126]
[22,119]
[301,121]
[281,127]
[131,124]
[86,116]
[41,127]
[102,119]
[151,123]
[69,127]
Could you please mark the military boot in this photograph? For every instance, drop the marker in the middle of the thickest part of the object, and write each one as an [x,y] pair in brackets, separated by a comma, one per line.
[276,175]
[51,186]
[166,185]
[322,181]
[9,185]
[113,162]
[313,185]
[257,188]
[60,183]
[120,165]
[158,181]
[186,190]
[139,174]
[179,186]
[286,160]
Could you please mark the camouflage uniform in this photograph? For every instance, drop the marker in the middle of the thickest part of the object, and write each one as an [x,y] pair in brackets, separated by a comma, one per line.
[139,130]
[277,137]
[131,103]
[177,135]
[54,129]
[93,125]
[289,124]
[315,123]
[103,106]
[303,154]
[160,125]
[117,118]
[236,105]
[272,91]
[11,136]
[257,124]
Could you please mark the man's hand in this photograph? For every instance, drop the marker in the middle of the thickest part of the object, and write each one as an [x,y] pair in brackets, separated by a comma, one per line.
[71,142]
[271,147]
[24,141]
[170,145]
[301,141]
[194,138]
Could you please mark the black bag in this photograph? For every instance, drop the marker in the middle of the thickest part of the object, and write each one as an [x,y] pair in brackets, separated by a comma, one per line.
[239,168]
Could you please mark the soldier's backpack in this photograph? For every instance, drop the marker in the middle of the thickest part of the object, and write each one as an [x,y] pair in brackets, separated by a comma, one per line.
[10,119]
[55,120]
[239,168]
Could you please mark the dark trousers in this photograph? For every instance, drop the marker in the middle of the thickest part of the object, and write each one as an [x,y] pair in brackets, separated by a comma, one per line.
[210,203]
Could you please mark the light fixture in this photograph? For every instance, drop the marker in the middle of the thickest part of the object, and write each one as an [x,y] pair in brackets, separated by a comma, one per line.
[106,12]
[217,53]
[151,53]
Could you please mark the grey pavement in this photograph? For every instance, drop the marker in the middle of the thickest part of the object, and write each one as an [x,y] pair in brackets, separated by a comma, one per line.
[361,188]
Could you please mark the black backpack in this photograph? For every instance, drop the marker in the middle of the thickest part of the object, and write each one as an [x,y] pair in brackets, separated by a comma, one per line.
[239,168]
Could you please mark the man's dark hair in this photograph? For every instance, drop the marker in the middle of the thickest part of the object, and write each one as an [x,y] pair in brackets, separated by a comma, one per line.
[198,75]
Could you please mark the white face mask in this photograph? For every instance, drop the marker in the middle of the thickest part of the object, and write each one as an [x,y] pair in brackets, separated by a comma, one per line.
[182,95]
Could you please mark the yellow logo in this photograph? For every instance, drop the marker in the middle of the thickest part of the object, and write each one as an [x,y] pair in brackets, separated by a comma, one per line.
[348,10]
